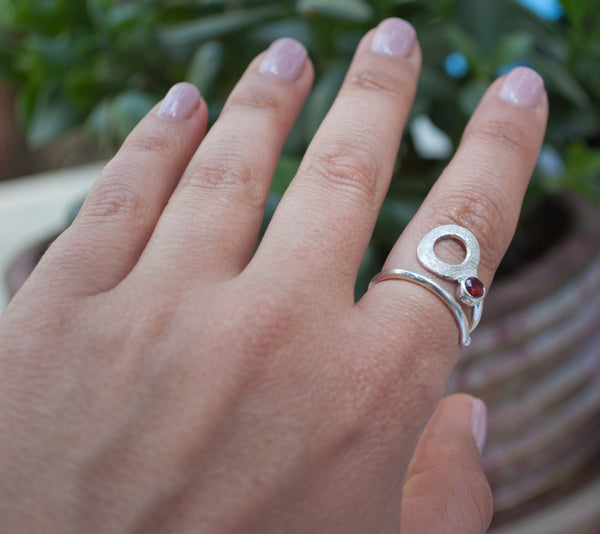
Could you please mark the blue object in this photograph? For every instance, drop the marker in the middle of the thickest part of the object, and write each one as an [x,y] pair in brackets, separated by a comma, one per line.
[551,10]
[550,162]
[456,65]
[507,67]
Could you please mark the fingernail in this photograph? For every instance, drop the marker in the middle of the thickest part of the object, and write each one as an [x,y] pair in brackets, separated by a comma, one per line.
[479,423]
[284,60]
[395,38]
[179,102]
[523,87]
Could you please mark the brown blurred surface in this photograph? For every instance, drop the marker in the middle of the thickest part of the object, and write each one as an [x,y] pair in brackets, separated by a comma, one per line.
[16,159]
[12,146]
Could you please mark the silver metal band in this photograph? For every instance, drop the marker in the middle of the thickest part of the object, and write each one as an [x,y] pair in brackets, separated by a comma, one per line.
[435,288]
[471,290]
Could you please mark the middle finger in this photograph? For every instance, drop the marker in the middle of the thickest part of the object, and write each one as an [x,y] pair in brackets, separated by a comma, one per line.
[324,222]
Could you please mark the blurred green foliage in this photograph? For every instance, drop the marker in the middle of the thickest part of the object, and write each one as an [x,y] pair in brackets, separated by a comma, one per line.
[102,64]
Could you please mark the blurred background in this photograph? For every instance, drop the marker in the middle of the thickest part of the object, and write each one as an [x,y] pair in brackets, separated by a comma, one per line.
[76,76]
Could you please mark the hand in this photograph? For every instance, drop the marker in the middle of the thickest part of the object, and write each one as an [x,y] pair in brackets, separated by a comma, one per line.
[157,374]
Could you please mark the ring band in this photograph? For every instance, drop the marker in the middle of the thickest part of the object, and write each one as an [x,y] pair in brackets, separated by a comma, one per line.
[436,289]
[471,290]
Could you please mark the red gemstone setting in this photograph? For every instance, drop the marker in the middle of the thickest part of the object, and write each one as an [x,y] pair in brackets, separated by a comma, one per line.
[474,287]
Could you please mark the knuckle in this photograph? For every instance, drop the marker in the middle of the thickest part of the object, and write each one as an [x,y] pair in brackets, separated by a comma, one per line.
[263,327]
[349,166]
[379,80]
[152,326]
[115,198]
[480,213]
[230,175]
[499,132]
[253,98]
[155,144]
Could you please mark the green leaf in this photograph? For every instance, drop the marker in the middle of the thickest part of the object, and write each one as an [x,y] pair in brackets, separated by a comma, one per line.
[368,269]
[321,98]
[52,116]
[98,10]
[212,26]
[8,68]
[99,121]
[562,81]
[296,28]
[123,15]
[270,207]
[127,109]
[471,95]
[574,123]
[285,171]
[350,10]
[394,215]
[7,14]
[484,20]
[462,42]
[583,169]
[576,11]
[513,46]
[204,67]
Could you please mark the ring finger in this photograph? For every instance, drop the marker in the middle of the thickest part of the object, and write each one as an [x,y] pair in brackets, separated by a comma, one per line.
[481,190]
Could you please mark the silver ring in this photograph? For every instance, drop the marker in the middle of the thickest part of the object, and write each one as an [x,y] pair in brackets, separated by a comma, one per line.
[470,291]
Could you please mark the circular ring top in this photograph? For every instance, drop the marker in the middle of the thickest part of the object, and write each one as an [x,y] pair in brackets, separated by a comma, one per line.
[428,258]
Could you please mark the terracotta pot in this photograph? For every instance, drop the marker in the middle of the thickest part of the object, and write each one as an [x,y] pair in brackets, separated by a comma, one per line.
[535,360]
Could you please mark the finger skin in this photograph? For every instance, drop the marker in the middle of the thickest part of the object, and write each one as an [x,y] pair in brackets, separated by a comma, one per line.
[238,408]
[106,239]
[324,222]
[446,491]
[482,190]
[210,227]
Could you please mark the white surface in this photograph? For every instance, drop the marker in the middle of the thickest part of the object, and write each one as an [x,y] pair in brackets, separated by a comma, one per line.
[429,141]
[35,207]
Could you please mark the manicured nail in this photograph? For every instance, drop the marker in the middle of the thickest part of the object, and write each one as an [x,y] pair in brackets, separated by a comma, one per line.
[523,87]
[179,103]
[479,423]
[284,60]
[395,38]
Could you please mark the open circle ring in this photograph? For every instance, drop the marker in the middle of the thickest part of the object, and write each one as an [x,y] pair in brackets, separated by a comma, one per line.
[470,291]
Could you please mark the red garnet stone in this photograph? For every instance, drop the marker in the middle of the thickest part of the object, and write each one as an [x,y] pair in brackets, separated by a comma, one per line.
[474,287]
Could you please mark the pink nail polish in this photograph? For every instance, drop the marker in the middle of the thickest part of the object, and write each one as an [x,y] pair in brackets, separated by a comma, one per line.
[479,423]
[179,102]
[395,38]
[284,60]
[523,87]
